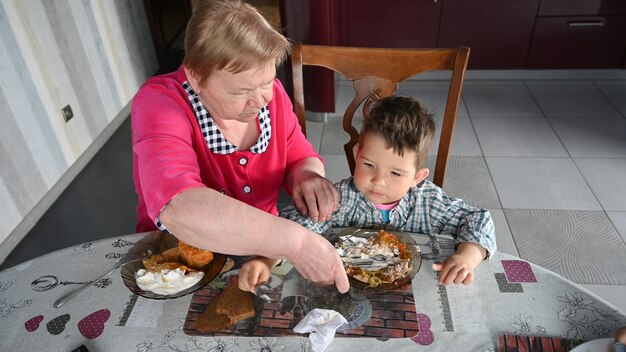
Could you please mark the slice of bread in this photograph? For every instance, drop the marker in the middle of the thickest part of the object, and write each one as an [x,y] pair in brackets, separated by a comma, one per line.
[211,321]
[235,303]
[228,308]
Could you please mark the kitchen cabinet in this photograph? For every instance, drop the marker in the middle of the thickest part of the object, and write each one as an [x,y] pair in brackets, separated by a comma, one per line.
[582,42]
[498,31]
[393,24]
[582,7]
[579,34]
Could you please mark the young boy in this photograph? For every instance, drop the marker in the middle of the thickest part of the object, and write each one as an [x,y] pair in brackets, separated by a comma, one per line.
[389,186]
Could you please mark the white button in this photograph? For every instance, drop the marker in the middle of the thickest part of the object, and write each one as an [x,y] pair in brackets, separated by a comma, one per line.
[243,161]
[247,189]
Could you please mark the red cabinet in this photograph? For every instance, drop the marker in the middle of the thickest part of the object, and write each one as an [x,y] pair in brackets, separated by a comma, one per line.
[579,34]
[582,7]
[578,42]
[393,24]
[498,31]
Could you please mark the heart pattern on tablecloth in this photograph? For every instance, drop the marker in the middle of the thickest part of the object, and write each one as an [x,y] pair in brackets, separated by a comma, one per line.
[33,323]
[57,325]
[518,271]
[425,336]
[92,325]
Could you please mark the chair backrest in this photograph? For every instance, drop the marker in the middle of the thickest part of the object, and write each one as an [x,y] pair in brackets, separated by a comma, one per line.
[379,70]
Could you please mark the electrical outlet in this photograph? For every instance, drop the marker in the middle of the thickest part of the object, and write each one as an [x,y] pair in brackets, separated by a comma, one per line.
[67,113]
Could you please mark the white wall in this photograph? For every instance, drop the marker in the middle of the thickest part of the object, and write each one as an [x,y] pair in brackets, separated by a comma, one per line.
[91,54]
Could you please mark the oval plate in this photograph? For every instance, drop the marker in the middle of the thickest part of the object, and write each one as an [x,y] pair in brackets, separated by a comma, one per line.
[366,232]
[157,242]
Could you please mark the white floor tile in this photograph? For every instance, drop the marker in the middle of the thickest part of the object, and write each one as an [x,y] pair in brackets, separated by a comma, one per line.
[344,94]
[336,167]
[314,133]
[607,180]
[499,101]
[614,294]
[540,183]
[615,91]
[519,136]
[468,178]
[433,94]
[618,218]
[464,140]
[571,99]
[333,138]
[592,137]
[504,240]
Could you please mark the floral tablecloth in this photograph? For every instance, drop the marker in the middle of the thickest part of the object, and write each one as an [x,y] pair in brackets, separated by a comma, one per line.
[509,296]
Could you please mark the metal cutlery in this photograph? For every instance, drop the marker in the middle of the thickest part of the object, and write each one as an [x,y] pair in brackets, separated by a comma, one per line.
[123,260]
[263,289]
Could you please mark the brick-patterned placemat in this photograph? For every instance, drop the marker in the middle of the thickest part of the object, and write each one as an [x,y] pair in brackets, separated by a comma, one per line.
[388,314]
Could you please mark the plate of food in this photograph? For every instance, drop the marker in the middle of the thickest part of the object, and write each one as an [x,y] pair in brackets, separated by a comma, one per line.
[174,268]
[378,258]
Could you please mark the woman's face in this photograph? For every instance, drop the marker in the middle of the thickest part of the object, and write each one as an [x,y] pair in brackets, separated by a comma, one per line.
[238,96]
[382,175]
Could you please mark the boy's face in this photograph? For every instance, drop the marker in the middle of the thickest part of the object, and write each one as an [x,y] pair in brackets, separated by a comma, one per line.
[382,175]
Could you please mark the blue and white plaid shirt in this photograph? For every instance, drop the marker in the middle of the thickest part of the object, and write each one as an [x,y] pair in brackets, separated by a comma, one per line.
[425,209]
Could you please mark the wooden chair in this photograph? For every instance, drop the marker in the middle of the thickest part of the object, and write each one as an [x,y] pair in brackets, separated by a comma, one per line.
[381,70]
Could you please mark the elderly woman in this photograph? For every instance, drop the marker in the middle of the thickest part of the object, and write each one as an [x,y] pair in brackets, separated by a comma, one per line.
[214,141]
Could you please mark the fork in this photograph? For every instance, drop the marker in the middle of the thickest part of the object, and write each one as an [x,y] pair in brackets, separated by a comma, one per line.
[263,290]
[123,260]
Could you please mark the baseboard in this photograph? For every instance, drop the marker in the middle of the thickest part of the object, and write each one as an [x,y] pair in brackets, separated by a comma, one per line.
[31,219]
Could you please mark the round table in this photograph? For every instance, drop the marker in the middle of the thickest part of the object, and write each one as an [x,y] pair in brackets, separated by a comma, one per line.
[509,297]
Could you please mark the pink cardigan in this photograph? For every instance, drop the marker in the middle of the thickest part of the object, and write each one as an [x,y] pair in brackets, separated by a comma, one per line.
[171,155]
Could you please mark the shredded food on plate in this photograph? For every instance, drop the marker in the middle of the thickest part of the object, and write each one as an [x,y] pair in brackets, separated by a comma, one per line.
[376,260]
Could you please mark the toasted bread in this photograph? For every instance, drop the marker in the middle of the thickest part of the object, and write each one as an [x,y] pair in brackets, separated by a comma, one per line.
[228,308]
[235,303]
[210,321]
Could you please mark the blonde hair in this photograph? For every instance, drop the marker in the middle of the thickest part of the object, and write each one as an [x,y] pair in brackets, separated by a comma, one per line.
[404,123]
[231,35]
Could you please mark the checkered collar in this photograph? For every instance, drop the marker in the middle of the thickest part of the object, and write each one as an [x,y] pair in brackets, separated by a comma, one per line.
[212,134]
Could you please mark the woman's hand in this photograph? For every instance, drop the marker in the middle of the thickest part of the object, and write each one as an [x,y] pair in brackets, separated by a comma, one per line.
[317,260]
[316,196]
[311,192]
[459,267]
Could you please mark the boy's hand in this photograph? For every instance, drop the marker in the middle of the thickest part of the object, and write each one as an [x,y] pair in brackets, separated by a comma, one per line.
[254,272]
[459,267]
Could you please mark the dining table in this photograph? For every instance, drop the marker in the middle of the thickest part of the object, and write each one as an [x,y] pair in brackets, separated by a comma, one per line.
[510,297]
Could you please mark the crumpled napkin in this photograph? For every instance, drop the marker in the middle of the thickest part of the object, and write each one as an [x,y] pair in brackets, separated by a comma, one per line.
[321,324]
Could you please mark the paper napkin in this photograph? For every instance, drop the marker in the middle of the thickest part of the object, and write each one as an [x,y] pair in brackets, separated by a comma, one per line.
[321,325]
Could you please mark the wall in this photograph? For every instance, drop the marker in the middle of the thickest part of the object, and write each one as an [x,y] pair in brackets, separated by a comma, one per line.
[91,54]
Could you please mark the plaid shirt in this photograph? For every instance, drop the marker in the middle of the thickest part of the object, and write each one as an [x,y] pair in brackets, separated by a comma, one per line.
[425,209]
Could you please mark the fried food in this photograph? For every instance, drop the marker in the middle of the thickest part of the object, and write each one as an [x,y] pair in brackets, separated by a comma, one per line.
[171,256]
[194,257]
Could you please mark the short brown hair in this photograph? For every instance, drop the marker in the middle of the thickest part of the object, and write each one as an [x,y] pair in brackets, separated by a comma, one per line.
[404,123]
[232,35]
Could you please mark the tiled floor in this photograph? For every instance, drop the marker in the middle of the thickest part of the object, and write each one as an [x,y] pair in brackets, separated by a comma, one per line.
[547,157]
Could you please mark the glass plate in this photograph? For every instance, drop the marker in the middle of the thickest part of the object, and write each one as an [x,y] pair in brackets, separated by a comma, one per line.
[157,242]
[366,232]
